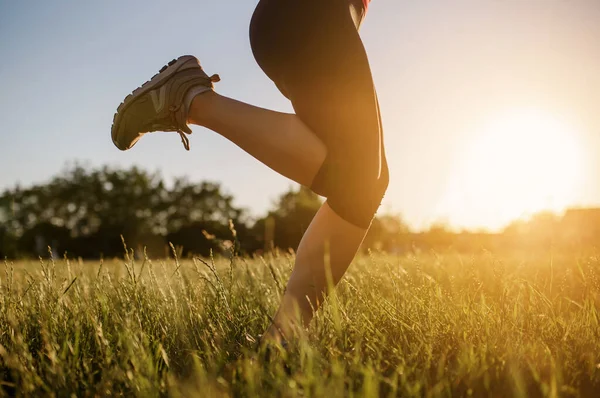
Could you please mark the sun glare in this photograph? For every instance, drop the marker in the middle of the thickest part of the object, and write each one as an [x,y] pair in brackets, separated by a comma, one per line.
[520,163]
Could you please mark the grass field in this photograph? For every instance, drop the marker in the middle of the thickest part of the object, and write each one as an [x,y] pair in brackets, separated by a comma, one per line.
[435,325]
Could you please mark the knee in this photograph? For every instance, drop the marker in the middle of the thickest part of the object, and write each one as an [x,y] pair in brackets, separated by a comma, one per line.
[361,198]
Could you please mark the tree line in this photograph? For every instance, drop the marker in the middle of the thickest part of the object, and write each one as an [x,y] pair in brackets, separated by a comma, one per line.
[89,212]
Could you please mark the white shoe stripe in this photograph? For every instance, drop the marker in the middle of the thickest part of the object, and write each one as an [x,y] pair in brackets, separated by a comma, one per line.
[159,99]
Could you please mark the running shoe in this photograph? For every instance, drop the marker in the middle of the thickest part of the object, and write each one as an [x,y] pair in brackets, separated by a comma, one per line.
[158,105]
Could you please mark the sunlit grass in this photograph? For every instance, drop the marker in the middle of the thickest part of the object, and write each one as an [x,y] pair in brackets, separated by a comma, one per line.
[413,325]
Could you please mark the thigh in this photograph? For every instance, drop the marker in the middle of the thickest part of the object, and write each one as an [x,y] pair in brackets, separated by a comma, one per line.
[328,79]
[311,49]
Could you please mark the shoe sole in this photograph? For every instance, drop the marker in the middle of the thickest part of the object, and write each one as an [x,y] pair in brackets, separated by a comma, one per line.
[156,81]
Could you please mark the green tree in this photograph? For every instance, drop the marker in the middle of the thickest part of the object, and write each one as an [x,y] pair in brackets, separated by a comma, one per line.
[84,212]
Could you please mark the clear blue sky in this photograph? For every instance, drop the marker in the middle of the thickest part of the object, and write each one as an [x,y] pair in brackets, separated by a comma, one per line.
[443,68]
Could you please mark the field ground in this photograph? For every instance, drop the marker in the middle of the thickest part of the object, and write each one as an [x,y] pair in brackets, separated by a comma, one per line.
[435,325]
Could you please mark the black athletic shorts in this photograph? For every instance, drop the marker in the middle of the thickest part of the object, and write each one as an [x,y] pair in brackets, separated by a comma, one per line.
[311,49]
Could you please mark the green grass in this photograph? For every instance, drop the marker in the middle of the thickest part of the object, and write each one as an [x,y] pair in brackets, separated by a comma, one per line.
[415,325]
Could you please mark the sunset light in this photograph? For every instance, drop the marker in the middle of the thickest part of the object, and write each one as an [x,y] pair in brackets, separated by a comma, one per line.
[366,198]
[519,163]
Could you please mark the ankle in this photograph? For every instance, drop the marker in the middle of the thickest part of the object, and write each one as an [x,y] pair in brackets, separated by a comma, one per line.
[199,107]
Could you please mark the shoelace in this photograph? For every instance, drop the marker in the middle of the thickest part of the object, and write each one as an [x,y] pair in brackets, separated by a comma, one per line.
[184,139]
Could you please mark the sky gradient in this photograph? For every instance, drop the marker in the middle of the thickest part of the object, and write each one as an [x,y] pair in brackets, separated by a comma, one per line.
[444,71]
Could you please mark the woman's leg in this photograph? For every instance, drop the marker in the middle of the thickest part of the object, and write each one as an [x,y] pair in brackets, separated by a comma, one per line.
[325,252]
[279,140]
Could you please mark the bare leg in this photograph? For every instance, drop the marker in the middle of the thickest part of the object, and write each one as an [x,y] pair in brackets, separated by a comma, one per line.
[279,140]
[325,252]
